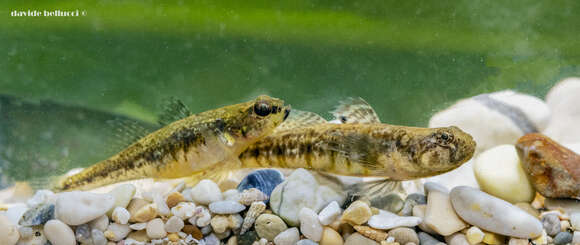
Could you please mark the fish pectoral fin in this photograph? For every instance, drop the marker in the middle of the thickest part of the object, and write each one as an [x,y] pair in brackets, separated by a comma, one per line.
[173,110]
[300,119]
[373,190]
[355,110]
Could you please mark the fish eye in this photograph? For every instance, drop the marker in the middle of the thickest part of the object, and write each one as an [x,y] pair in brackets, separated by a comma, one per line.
[262,108]
[445,137]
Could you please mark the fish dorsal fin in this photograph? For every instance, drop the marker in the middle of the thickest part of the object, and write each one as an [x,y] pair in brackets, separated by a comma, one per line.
[173,110]
[355,110]
[125,132]
[300,119]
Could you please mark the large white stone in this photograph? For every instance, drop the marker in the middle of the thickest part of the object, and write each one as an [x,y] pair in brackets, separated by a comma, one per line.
[499,172]
[8,231]
[440,216]
[493,214]
[206,192]
[122,194]
[77,208]
[563,101]
[309,224]
[386,220]
[58,233]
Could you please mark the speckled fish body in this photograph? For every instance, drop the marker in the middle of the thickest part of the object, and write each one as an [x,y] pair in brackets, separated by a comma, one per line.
[187,146]
[370,149]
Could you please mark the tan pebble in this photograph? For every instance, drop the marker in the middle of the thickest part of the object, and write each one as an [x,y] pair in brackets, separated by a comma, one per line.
[440,215]
[564,225]
[156,229]
[371,233]
[219,223]
[358,239]
[389,243]
[174,198]
[345,229]
[268,226]
[528,208]
[492,238]
[255,210]
[357,213]
[135,205]
[140,236]
[235,221]
[335,224]
[538,201]
[419,211]
[173,237]
[232,241]
[247,197]
[474,235]
[145,214]
[330,237]
[517,241]
[404,235]
[193,231]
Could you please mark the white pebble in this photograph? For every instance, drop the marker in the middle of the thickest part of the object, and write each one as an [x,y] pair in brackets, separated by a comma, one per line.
[100,223]
[40,197]
[206,192]
[440,215]
[138,226]
[25,231]
[98,237]
[474,235]
[386,220]
[121,215]
[309,224]
[183,210]
[77,208]
[156,229]
[231,195]
[116,232]
[123,194]
[174,224]
[9,231]
[287,237]
[329,213]
[58,233]
[226,207]
[203,216]
[576,238]
[161,205]
[575,221]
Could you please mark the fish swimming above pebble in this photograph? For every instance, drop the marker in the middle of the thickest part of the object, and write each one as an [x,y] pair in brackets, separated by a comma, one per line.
[192,145]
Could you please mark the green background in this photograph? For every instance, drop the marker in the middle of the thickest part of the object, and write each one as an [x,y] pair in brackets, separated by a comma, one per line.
[408,59]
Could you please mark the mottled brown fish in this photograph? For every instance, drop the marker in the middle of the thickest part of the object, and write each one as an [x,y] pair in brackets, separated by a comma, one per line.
[196,144]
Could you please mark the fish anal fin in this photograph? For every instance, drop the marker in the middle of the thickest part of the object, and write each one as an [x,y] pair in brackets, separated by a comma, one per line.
[355,110]
[300,119]
[173,110]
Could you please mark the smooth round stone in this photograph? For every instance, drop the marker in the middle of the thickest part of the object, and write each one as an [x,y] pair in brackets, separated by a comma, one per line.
[474,235]
[511,183]
[390,202]
[42,197]
[306,242]
[404,235]
[287,237]
[174,224]
[440,216]
[264,180]
[121,215]
[551,224]
[83,234]
[58,233]
[156,229]
[116,232]
[357,213]
[493,214]
[36,237]
[426,239]
[37,215]
[329,213]
[386,220]
[76,207]
[269,226]
[123,195]
[456,239]
[100,223]
[330,237]
[183,210]
[562,238]
[8,231]
[434,186]
[309,225]
[226,207]
[206,192]
[358,239]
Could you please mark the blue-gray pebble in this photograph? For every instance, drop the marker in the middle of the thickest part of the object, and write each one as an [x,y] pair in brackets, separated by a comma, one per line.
[426,239]
[562,238]
[37,215]
[264,180]
[551,224]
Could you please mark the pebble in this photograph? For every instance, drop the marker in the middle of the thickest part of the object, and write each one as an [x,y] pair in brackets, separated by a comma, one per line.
[563,102]
[122,194]
[264,180]
[135,205]
[575,221]
[306,242]
[358,239]
[456,239]
[145,214]
[173,199]
[219,223]
[140,236]
[14,213]
[371,233]
[330,237]
[493,214]
[248,238]
[206,192]
[226,207]
[36,238]
[37,215]
[551,224]
[309,224]
[404,235]
[385,220]
[83,233]
[301,190]
[249,196]
[419,211]
[76,207]
[116,232]
[8,231]
[551,167]
[511,183]
[287,237]
[567,205]
[474,235]
[518,241]
[41,197]
[426,239]
[492,238]
[357,213]
[138,226]
[391,202]
[329,213]
[25,231]
[542,239]
[193,231]
[528,208]
[576,238]
[562,238]
[183,210]
[161,205]
[203,216]
[174,224]
[58,233]
[156,229]
[121,215]
[100,223]
[434,186]
[440,216]
[269,226]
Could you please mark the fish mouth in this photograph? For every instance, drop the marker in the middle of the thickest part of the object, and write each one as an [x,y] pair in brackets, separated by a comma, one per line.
[287,112]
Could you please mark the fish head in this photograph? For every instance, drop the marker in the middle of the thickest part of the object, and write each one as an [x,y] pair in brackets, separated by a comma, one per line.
[248,122]
[444,149]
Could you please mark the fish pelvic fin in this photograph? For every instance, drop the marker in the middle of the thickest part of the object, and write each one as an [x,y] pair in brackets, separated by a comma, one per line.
[355,110]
